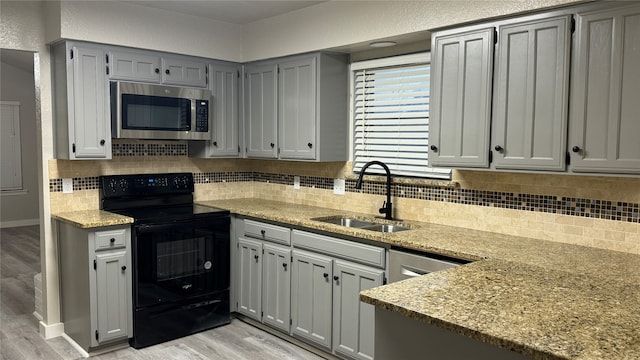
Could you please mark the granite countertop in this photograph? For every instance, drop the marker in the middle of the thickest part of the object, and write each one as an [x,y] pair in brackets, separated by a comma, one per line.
[87,219]
[544,299]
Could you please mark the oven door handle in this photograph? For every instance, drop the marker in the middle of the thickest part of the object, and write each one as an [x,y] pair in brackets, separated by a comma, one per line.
[159,227]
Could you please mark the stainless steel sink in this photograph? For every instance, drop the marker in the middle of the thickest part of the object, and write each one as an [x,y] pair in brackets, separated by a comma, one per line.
[362,224]
[348,222]
[387,228]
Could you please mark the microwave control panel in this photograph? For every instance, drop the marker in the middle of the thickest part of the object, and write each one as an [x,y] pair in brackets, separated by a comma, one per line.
[202,115]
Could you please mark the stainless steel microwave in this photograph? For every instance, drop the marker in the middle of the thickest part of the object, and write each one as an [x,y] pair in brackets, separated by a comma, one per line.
[150,111]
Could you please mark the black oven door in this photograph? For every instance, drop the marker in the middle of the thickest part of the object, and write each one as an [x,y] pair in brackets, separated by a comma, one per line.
[180,260]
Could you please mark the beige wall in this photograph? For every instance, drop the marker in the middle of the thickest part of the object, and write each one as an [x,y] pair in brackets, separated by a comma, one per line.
[18,84]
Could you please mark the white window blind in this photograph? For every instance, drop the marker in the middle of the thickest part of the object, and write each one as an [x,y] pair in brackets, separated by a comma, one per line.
[391,116]
[11,172]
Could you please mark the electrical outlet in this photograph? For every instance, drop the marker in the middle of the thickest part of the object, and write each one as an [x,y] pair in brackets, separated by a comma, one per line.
[67,185]
[296,182]
[338,186]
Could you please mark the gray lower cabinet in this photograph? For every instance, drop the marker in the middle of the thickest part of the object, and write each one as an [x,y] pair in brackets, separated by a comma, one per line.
[353,320]
[249,293]
[264,273]
[327,277]
[531,92]
[81,102]
[95,279]
[604,126]
[276,286]
[308,285]
[311,298]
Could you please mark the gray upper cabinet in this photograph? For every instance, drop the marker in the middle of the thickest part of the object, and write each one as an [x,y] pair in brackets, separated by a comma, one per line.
[147,66]
[296,108]
[133,66]
[462,71]
[260,115]
[531,94]
[183,72]
[312,107]
[225,137]
[604,126]
[81,104]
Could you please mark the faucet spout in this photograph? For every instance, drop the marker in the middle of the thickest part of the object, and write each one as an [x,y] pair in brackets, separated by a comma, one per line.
[386,208]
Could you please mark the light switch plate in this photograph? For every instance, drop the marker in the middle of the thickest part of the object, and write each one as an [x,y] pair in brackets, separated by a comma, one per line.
[338,186]
[67,185]
[296,182]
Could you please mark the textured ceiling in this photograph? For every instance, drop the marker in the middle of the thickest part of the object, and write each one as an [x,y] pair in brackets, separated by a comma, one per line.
[231,11]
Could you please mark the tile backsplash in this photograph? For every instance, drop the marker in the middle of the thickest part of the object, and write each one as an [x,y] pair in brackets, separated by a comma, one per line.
[594,211]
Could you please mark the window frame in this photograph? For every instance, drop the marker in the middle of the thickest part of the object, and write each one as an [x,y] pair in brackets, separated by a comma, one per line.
[399,60]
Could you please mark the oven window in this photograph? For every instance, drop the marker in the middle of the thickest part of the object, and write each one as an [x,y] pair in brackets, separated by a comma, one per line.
[144,112]
[180,258]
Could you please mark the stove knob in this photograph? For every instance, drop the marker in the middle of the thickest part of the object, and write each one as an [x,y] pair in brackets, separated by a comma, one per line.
[112,185]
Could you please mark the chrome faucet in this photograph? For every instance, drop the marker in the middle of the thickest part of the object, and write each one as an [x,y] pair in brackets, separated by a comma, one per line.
[386,206]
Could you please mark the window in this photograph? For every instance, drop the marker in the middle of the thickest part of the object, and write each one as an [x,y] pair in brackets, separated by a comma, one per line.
[391,115]
[11,172]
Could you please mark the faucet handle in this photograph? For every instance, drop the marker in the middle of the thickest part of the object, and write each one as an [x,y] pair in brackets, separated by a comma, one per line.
[383,209]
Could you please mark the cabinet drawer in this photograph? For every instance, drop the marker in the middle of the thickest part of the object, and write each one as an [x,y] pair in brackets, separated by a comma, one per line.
[262,231]
[110,239]
[345,249]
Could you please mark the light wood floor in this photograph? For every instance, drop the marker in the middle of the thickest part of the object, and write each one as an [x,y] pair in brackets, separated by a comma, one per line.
[19,337]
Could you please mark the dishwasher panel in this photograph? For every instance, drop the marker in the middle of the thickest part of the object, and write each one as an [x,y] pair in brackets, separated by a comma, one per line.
[404,265]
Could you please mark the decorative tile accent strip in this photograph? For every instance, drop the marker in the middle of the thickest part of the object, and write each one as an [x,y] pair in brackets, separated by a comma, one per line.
[211,177]
[149,149]
[602,209]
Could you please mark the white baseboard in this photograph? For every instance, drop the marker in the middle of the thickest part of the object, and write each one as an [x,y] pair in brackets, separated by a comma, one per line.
[76,346]
[18,223]
[51,331]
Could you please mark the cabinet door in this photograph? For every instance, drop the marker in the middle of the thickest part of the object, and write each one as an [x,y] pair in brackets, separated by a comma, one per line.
[604,124]
[225,137]
[250,278]
[297,109]
[276,286]
[112,296]
[124,65]
[261,89]
[462,66]
[353,320]
[183,72]
[531,94]
[88,107]
[311,286]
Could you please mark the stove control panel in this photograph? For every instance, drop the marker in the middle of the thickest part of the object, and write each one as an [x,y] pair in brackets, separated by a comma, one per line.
[146,184]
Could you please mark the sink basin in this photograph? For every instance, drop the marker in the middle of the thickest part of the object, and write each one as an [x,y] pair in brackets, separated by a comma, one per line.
[348,222]
[362,224]
[386,228]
